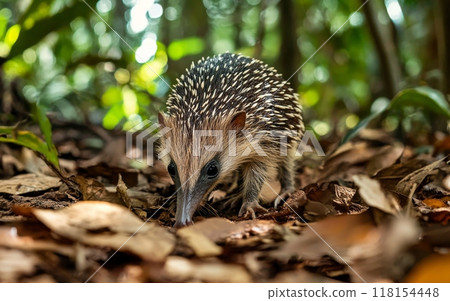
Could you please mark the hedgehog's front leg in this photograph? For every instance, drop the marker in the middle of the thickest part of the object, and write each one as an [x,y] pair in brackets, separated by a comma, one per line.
[286,176]
[254,174]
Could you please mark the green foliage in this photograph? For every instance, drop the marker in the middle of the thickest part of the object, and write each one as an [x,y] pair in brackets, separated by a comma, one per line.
[5,14]
[41,28]
[425,97]
[46,129]
[117,69]
[430,100]
[11,134]
[31,141]
[189,46]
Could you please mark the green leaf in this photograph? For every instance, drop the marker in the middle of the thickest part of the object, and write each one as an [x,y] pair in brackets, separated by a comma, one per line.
[188,46]
[113,116]
[46,130]
[32,7]
[112,96]
[33,35]
[424,97]
[5,15]
[362,124]
[29,140]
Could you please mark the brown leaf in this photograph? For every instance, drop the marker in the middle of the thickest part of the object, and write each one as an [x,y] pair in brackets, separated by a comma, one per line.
[92,189]
[355,240]
[9,238]
[434,203]
[340,232]
[387,156]
[340,164]
[432,269]
[319,201]
[371,192]
[111,173]
[122,191]
[201,244]
[218,229]
[343,196]
[406,186]
[15,263]
[28,183]
[437,235]
[109,225]
[390,176]
[436,210]
[179,269]
[301,276]
[446,183]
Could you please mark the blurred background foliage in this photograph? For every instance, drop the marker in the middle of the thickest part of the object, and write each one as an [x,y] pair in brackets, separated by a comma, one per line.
[112,62]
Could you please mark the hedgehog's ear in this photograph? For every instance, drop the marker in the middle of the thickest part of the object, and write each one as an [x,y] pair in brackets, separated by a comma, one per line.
[161,120]
[238,121]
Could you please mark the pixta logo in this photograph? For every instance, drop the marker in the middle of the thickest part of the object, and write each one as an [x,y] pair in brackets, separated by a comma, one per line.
[143,142]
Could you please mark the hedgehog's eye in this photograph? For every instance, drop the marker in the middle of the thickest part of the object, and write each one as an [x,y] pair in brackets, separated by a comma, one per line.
[212,170]
[172,169]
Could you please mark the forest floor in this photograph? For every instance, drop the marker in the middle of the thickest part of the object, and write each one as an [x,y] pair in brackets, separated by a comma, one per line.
[372,210]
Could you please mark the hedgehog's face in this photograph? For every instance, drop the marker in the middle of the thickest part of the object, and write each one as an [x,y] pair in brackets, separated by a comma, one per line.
[194,167]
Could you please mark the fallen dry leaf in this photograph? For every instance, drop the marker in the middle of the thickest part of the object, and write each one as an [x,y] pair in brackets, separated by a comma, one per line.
[122,191]
[340,232]
[370,251]
[408,184]
[437,235]
[16,263]
[29,182]
[181,269]
[109,173]
[435,210]
[343,198]
[387,156]
[435,203]
[219,229]
[315,201]
[337,166]
[302,276]
[92,189]
[372,194]
[432,269]
[9,238]
[201,244]
[446,183]
[109,225]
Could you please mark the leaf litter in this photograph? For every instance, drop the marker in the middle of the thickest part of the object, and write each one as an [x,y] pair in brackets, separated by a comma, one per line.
[371,210]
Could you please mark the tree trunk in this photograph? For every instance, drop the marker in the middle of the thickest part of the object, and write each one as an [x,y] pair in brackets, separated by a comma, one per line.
[443,37]
[260,31]
[386,50]
[289,57]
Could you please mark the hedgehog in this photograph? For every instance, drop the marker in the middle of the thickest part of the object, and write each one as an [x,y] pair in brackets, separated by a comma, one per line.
[230,114]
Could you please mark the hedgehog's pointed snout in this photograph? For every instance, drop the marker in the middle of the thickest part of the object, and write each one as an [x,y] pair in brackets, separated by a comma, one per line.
[187,203]
[182,223]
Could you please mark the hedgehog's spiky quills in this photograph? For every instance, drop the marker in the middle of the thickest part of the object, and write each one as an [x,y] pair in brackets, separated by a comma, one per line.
[223,84]
[222,93]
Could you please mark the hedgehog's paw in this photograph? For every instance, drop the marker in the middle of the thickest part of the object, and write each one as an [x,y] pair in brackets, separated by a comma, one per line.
[283,196]
[216,196]
[250,208]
